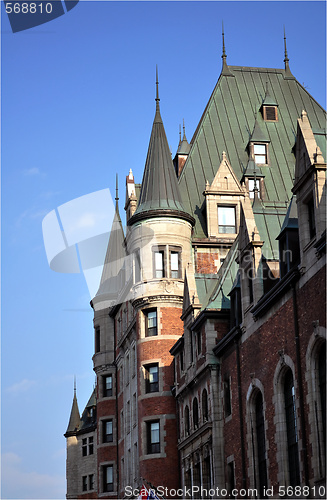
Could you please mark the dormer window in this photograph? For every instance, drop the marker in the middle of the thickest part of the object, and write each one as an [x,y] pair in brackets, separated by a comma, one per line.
[226,220]
[260,154]
[270,113]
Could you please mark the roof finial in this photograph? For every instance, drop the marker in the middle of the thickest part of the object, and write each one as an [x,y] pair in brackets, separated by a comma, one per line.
[74,385]
[157,86]
[184,136]
[224,51]
[117,197]
[180,134]
[286,60]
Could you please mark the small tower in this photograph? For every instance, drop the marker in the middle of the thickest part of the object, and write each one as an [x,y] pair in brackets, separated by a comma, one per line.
[182,153]
[110,293]
[72,449]
[160,231]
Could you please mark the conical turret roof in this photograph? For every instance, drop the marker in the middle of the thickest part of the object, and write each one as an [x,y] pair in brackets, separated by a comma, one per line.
[160,192]
[183,146]
[110,283]
[75,419]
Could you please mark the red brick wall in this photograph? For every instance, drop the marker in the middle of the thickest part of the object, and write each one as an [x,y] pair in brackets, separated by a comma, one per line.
[205,262]
[161,471]
[259,356]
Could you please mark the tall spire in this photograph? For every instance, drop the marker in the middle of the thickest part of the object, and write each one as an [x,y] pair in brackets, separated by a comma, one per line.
[225,70]
[286,59]
[224,51]
[158,116]
[117,197]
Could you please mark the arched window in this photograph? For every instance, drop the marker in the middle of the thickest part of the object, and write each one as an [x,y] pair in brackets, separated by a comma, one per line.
[291,429]
[260,443]
[187,420]
[195,413]
[205,413]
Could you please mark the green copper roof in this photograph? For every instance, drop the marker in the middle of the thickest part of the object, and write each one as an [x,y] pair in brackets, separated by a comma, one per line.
[159,192]
[227,125]
[183,146]
[218,289]
[268,100]
[259,134]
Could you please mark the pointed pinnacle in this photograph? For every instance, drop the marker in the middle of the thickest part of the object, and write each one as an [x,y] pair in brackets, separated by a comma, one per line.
[157,85]
[285,49]
[223,35]
[117,197]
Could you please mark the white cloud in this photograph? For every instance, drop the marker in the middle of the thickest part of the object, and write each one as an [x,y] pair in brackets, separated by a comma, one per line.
[32,171]
[22,386]
[20,483]
[30,214]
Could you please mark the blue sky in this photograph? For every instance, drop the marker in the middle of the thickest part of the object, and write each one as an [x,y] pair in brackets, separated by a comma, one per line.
[77,107]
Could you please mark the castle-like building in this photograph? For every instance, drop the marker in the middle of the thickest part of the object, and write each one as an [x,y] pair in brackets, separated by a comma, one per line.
[209,322]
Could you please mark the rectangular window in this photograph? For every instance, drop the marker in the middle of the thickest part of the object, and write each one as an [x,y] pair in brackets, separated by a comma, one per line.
[181,360]
[153,431]
[199,343]
[260,154]
[159,261]
[84,447]
[227,396]
[107,386]
[175,267]
[84,481]
[152,378]
[107,431]
[91,481]
[251,188]
[151,324]
[97,339]
[226,220]
[108,478]
[270,113]
[311,218]
[91,445]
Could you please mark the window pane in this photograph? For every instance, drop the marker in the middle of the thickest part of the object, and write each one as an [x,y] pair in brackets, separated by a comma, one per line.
[260,153]
[109,474]
[251,188]
[155,432]
[226,219]
[174,264]
[153,374]
[109,382]
[109,427]
[158,256]
[259,149]
[152,319]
